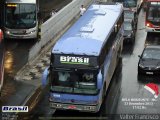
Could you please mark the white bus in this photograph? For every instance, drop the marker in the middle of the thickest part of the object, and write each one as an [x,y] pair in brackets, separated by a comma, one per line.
[20,19]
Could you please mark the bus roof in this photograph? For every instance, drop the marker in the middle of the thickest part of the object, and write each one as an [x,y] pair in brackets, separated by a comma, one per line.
[87,35]
[20,1]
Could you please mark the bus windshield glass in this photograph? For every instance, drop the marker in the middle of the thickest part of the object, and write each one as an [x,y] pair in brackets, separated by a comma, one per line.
[78,81]
[154,12]
[20,16]
[130,3]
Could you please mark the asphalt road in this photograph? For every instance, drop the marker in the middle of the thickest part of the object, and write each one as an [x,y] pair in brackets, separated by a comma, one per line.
[134,98]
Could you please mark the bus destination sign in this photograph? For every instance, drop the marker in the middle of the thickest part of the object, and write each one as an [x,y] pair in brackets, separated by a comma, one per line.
[74,60]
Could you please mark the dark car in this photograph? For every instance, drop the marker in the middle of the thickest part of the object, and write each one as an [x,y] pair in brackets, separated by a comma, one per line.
[132,5]
[149,62]
[129,30]
[131,15]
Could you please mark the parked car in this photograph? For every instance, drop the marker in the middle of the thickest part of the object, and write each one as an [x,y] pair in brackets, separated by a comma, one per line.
[131,15]
[149,62]
[132,5]
[129,30]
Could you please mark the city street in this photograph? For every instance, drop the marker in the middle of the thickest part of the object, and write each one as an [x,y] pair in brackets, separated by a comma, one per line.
[126,93]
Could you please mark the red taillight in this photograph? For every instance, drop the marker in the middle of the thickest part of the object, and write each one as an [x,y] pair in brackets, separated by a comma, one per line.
[1,35]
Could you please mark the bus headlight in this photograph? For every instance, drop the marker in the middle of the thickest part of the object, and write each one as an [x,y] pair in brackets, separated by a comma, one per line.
[89,108]
[141,66]
[148,24]
[158,67]
[58,106]
[33,31]
[92,107]
[7,32]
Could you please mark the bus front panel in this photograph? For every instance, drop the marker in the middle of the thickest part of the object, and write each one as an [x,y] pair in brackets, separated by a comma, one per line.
[20,20]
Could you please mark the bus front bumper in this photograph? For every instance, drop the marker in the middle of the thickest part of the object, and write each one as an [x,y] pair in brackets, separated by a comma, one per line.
[12,36]
[78,107]
[20,34]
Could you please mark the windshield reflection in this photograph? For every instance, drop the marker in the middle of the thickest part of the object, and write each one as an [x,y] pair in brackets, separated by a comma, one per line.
[151,54]
[21,16]
[154,14]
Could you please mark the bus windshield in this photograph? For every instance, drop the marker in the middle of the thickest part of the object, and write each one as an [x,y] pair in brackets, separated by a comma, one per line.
[130,3]
[154,12]
[20,16]
[78,81]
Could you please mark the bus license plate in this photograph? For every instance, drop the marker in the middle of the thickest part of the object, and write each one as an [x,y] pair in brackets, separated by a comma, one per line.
[149,73]
[71,107]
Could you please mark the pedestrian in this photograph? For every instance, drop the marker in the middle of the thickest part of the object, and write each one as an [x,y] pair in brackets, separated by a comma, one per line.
[53,12]
[82,10]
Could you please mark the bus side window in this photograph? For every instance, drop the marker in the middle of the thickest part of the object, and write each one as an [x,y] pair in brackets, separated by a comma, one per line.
[109,42]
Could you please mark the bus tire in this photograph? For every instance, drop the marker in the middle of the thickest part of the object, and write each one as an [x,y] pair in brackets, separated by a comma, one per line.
[104,92]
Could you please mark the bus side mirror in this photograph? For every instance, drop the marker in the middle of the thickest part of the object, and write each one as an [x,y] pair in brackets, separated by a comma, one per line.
[99,80]
[139,56]
[45,79]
